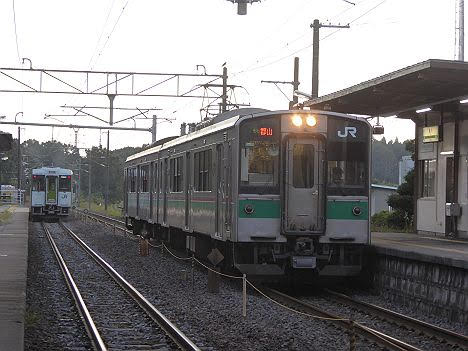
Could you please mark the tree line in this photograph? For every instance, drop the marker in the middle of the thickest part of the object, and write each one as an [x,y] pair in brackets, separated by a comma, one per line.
[385,155]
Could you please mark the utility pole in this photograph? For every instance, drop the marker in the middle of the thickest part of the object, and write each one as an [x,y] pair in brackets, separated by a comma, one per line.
[153,129]
[89,186]
[19,158]
[315,57]
[106,199]
[295,83]
[224,96]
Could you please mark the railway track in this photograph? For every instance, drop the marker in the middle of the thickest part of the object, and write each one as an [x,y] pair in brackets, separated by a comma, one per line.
[357,327]
[430,330]
[115,314]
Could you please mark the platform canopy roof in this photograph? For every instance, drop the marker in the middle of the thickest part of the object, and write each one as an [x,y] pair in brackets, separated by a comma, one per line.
[422,85]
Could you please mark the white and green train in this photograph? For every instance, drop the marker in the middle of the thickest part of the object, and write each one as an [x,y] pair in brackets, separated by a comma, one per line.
[276,192]
[51,192]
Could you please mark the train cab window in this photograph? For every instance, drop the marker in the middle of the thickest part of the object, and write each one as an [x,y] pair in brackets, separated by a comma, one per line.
[65,183]
[347,168]
[38,183]
[144,174]
[202,170]
[176,173]
[259,156]
[303,166]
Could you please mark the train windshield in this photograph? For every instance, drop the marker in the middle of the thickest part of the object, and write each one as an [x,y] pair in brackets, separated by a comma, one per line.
[38,183]
[259,156]
[65,183]
[348,157]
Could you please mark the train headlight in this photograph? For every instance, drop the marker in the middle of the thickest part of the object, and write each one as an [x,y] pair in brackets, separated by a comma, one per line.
[311,121]
[296,120]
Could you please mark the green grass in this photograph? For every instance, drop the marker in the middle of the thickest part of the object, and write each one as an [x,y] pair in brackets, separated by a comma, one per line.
[113,210]
[30,319]
[5,215]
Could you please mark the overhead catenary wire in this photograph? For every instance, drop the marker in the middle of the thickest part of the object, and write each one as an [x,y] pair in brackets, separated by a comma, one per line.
[102,33]
[111,32]
[254,68]
[16,32]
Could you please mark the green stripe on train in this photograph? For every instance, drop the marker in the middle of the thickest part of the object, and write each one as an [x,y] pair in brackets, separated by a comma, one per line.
[262,208]
[344,210]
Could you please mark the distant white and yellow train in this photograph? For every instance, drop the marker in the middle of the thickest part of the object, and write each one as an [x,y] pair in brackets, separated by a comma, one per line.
[276,192]
[51,192]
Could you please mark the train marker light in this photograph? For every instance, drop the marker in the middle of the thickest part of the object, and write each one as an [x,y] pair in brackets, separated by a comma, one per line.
[311,121]
[296,120]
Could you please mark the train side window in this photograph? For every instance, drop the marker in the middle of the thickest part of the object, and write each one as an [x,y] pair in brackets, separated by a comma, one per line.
[144,170]
[176,174]
[202,170]
[38,183]
[132,180]
[155,177]
[303,166]
[65,183]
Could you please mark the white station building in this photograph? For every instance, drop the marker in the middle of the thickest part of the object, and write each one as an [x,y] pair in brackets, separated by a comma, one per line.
[433,94]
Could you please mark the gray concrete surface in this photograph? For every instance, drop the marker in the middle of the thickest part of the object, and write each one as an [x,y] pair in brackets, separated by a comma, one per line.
[425,248]
[13,272]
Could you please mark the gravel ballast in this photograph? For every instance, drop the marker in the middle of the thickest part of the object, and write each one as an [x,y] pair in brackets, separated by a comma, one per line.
[52,322]
[213,321]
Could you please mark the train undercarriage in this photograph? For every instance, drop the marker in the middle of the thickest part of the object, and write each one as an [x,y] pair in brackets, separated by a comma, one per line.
[303,258]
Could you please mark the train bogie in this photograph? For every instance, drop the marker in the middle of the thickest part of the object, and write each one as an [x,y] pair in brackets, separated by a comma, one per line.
[274,192]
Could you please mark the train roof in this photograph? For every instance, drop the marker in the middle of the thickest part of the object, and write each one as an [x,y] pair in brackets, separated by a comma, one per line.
[225,123]
[52,171]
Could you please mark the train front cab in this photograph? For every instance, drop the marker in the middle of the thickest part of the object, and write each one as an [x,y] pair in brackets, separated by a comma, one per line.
[50,195]
[303,195]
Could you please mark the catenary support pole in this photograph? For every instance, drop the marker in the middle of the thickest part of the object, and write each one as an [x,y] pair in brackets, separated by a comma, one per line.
[19,159]
[106,202]
[89,185]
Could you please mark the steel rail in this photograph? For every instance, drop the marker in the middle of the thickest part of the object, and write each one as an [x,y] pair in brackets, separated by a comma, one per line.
[172,331]
[380,338]
[88,322]
[94,214]
[409,322]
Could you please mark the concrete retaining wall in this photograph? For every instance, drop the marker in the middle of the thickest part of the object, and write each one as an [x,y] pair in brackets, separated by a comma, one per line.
[432,287]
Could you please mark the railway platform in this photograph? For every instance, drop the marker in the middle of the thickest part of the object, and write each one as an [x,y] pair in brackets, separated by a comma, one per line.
[425,272]
[423,247]
[13,274]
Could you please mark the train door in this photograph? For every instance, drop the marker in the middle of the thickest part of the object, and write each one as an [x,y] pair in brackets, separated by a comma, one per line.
[303,186]
[188,187]
[228,188]
[125,192]
[155,195]
[160,191]
[219,191]
[166,189]
[51,190]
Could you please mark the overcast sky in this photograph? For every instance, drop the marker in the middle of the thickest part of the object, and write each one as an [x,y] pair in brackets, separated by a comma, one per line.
[176,35]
